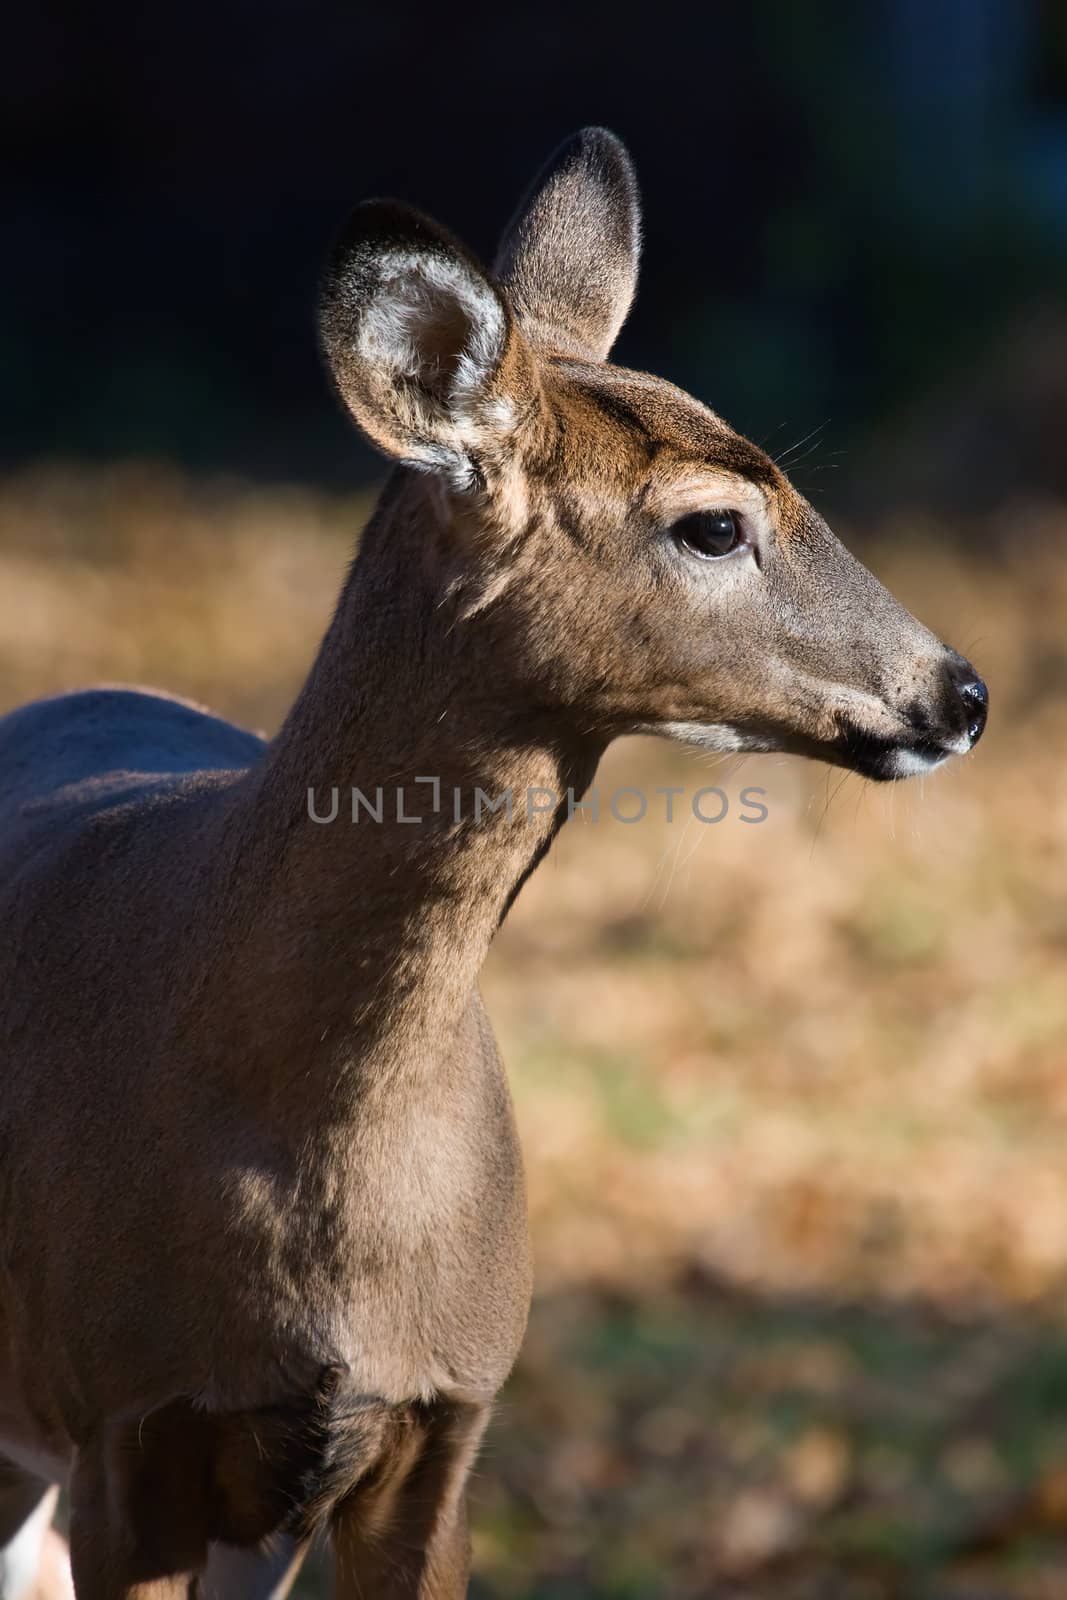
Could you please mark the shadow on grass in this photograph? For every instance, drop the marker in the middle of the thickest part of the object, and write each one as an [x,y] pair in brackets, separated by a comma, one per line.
[713,1441]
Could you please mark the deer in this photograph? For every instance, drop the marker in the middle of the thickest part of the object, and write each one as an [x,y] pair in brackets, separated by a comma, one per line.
[264,1262]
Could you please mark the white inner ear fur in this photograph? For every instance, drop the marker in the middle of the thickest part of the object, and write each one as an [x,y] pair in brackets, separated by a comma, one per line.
[435,332]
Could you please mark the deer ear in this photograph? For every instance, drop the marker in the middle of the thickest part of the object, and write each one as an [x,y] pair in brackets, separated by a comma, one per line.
[414,333]
[569,258]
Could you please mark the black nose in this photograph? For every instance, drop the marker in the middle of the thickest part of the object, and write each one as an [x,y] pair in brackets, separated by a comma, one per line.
[975,699]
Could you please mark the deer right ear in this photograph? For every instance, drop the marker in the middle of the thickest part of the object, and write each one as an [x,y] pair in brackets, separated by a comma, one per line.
[414,333]
[568,261]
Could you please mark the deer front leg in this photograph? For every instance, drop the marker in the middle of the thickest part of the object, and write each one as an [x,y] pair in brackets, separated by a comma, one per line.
[183,1500]
[403,1532]
[133,1535]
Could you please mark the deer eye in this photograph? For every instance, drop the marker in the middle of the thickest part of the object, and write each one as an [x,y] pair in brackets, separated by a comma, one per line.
[708,533]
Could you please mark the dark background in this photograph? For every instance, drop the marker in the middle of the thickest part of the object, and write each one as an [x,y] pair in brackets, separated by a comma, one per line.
[856,216]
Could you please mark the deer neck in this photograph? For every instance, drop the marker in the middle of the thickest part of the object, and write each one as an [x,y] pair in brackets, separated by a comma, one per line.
[384,921]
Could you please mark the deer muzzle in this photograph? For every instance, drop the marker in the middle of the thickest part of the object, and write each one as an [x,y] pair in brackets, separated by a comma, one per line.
[947,721]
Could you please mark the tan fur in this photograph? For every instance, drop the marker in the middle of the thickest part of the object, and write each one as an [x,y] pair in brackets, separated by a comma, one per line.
[262,1219]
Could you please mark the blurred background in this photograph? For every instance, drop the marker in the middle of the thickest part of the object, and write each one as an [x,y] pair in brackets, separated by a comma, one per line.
[793,1097]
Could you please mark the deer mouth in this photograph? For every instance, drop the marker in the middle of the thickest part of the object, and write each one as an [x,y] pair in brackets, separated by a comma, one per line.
[886,759]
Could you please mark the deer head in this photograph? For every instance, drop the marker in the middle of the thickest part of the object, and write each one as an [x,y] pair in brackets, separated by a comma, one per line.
[621,559]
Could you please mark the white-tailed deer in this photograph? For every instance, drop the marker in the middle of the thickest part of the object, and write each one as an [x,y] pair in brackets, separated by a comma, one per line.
[264,1257]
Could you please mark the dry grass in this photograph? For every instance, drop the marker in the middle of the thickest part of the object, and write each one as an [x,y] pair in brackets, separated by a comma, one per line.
[793,1096]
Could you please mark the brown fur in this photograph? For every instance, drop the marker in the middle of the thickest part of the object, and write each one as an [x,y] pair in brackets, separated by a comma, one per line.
[262,1218]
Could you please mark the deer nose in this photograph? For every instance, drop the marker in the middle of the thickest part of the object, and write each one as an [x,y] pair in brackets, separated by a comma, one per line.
[973,697]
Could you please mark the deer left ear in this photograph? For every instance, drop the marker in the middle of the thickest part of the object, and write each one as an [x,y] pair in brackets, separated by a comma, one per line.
[569,259]
[414,334]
